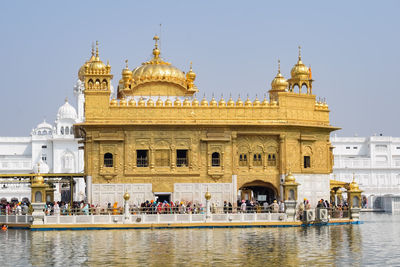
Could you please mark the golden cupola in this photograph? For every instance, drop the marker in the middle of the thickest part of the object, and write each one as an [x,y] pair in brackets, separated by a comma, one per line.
[300,76]
[278,84]
[158,77]
[96,75]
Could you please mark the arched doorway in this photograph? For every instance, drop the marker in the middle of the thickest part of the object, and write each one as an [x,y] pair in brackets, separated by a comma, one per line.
[259,191]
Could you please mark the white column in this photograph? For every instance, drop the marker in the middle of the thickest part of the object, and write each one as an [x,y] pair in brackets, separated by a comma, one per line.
[89,189]
[234,189]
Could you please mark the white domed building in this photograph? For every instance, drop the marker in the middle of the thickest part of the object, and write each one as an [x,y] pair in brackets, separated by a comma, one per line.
[52,147]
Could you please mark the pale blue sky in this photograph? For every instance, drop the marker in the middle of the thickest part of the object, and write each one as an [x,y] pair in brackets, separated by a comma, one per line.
[352,46]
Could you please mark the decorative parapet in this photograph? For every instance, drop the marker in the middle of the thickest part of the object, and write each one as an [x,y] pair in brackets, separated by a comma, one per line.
[193,103]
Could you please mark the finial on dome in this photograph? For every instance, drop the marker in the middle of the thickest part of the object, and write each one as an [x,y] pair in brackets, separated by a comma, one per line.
[279,66]
[38,167]
[97,48]
[66,99]
[299,53]
[126,63]
[156,51]
[92,49]
[156,38]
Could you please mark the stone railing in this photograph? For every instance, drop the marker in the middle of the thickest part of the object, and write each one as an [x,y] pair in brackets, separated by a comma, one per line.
[16,219]
[165,218]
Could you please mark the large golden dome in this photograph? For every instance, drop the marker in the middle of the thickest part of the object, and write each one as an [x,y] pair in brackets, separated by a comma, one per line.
[157,77]
[156,70]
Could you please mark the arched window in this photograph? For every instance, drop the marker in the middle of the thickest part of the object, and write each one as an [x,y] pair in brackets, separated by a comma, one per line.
[71,130]
[62,130]
[67,130]
[44,132]
[215,159]
[271,160]
[257,159]
[38,196]
[304,89]
[108,160]
[243,160]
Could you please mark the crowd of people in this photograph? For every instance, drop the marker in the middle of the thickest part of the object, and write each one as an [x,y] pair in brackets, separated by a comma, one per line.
[169,207]
[15,208]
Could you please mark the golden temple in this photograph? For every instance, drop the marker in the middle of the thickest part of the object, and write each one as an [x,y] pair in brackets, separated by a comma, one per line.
[156,139]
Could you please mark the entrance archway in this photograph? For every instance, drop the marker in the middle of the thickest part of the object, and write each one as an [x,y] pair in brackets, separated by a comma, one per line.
[259,191]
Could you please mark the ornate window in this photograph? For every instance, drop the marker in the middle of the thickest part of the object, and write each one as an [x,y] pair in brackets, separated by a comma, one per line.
[215,159]
[67,130]
[307,162]
[182,158]
[68,161]
[243,160]
[257,159]
[162,157]
[142,158]
[108,160]
[62,130]
[271,159]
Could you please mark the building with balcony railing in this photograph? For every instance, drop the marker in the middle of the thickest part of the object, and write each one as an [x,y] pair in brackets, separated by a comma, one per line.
[374,161]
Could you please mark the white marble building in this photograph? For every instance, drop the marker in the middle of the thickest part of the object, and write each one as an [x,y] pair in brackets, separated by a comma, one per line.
[53,146]
[374,160]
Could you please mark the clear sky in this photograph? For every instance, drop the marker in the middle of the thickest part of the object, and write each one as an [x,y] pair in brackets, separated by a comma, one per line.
[352,47]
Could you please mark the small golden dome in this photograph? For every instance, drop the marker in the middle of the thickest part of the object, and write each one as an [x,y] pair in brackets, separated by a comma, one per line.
[127,196]
[168,102]
[239,102]
[274,103]
[177,102]
[126,73]
[122,102]
[150,102]
[95,64]
[222,102]
[279,83]
[300,70]
[213,102]
[114,102]
[159,102]
[132,103]
[204,102]
[38,180]
[265,102]
[256,102]
[231,103]
[248,102]
[186,102]
[354,185]
[81,72]
[141,102]
[195,102]
[207,195]
[191,76]
[290,178]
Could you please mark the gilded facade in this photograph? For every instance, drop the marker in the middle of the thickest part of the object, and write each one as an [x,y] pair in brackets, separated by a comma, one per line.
[156,139]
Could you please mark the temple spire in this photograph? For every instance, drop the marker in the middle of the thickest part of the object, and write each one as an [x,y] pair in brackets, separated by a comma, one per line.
[97,49]
[299,52]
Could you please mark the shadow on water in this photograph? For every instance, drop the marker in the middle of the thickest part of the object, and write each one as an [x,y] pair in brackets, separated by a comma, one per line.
[373,242]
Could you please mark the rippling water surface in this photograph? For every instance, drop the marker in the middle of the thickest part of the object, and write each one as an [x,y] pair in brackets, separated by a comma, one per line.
[376,242]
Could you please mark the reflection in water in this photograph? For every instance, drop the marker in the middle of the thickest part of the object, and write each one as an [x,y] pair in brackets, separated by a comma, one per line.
[373,242]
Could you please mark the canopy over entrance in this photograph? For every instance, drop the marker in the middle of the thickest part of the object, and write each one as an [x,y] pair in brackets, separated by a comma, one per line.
[258,191]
